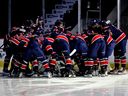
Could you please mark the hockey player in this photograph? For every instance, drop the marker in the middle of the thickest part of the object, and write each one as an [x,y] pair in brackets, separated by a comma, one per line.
[97,49]
[79,44]
[120,48]
[18,47]
[46,45]
[8,50]
[35,54]
[61,47]
[110,45]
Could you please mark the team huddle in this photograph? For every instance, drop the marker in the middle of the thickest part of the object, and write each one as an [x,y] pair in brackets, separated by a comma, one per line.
[59,52]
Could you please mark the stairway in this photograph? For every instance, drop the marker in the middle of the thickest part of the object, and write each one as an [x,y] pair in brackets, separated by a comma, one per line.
[58,12]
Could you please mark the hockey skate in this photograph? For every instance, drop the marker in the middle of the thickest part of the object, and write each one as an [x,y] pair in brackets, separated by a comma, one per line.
[29,74]
[95,73]
[89,71]
[88,75]
[5,73]
[104,71]
[122,71]
[114,72]
[47,74]
[15,73]
[21,75]
[71,74]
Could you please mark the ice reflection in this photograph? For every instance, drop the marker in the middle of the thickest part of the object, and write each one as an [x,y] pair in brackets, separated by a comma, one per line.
[108,86]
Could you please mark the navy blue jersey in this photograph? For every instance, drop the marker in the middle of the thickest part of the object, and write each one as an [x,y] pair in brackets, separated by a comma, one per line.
[47,45]
[80,45]
[117,34]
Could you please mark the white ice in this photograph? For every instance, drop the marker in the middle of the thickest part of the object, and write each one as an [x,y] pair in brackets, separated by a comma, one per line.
[112,85]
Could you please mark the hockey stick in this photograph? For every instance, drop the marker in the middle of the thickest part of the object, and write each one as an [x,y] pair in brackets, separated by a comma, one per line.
[73,52]
[1,46]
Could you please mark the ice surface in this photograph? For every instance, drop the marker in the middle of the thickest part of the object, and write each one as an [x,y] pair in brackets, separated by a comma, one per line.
[112,85]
